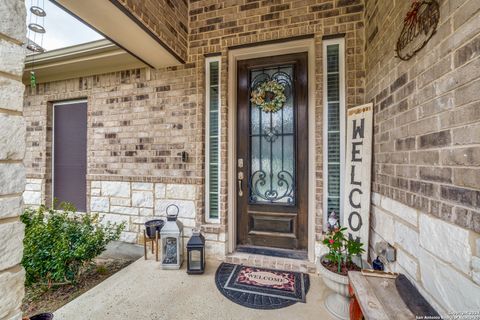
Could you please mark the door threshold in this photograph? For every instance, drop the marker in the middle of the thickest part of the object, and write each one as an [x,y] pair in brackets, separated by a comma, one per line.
[274,252]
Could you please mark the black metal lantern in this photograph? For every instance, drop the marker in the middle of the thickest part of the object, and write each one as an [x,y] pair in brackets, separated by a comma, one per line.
[196,253]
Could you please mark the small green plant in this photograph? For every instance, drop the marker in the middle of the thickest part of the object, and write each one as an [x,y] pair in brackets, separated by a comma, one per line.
[341,248]
[59,243]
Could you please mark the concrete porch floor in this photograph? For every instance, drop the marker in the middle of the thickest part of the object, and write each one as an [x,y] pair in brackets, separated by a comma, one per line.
[144,291]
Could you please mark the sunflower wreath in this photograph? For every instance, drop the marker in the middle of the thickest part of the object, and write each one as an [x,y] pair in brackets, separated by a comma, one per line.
[269,96]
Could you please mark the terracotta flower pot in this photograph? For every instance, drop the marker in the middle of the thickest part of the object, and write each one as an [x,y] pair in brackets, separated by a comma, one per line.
[337,302]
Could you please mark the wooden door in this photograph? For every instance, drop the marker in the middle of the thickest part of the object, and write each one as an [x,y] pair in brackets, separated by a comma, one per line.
[272,155]
[70,154]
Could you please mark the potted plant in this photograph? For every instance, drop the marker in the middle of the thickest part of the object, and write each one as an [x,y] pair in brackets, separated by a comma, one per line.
[334,267]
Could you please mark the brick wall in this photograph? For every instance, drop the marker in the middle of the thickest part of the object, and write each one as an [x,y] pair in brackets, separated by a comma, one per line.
[12,149]
[140,120]
[426,177]
[215,26]
[167,19]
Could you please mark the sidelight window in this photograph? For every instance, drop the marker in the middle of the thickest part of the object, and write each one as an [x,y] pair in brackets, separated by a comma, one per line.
[334,126]
[212,141]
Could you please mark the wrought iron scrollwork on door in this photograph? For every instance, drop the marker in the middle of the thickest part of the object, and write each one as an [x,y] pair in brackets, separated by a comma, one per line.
[272,143]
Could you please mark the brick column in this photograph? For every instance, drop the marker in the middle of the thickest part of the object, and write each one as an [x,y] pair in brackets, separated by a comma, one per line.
[12,150]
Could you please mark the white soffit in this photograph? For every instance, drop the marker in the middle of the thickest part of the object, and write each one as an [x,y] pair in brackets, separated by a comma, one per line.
[107,19]
[93,58]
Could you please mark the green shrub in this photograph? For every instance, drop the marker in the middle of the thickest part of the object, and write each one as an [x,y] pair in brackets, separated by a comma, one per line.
[58,243]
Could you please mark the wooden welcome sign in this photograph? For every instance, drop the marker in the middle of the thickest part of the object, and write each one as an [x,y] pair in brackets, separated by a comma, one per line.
[358,167]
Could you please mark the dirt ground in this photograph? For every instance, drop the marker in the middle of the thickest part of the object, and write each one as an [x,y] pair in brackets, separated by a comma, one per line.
[41,299]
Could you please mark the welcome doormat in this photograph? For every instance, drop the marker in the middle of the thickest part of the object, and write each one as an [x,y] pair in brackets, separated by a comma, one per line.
[261,288]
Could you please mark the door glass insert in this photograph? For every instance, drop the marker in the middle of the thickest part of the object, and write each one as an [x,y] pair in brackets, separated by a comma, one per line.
[272,142]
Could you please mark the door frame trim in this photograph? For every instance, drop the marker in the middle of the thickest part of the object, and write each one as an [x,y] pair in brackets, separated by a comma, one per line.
[52,164]
[287,47]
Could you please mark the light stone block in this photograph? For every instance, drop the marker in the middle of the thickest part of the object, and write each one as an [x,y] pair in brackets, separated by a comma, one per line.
[476,263]
[96,184]
[140,220]
[400,210]
[409,264]
[125,202]
[33,186]
[186,207]
[12,20]
[32,198]
[215,249]
[116,189]
[210,236]
[13,58]
[143,199]
[477,241]
[382,223]
[124,210]
[145,212]
[476,277]
[451,289]
[190,223]
[160,190]
[407,238]
[142,186]
[12,177]
[181,191]
[10,207]
[11,283]
[130,237]
[446,241]
[222,236]
[12,137]
[11,244]
[376,197]
[115,218]
[95,192]
[187,233]
[99,204]
[10,93]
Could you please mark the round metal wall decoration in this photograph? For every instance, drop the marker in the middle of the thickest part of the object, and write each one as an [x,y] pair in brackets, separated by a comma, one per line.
[419,26]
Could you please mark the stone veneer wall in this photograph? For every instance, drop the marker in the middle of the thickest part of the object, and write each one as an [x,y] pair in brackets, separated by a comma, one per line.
[426,184]
[139,121]
[12,150]
[167,19]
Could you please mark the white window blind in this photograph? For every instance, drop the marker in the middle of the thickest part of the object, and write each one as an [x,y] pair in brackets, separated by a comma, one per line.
[334,126]
[212,149]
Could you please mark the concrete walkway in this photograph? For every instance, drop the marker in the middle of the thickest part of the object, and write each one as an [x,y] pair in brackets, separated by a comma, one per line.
[144,291]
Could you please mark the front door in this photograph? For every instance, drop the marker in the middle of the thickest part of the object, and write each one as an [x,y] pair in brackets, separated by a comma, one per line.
[272,153]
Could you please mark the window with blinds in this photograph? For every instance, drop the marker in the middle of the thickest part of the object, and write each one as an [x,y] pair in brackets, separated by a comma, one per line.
[212,150]
[334,127]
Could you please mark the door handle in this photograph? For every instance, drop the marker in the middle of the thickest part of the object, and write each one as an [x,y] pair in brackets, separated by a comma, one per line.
[240,184]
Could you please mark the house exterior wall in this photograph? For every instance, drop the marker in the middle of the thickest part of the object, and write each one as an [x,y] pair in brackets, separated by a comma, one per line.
[425,191]
[141,120]
[166,19]
[426,177]
[12,150]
